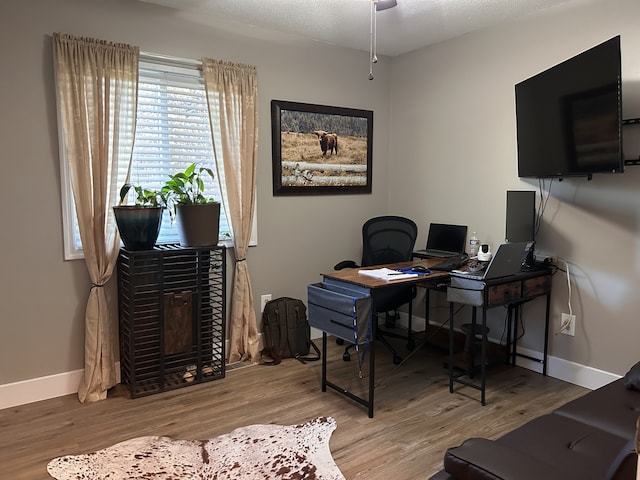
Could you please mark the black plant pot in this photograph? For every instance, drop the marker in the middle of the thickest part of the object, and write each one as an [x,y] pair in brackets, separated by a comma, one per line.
[198,225]
[139,227]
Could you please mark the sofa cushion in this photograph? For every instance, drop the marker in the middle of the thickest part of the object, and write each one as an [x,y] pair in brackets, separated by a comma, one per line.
[631,379]
[483,459]
[560,442]
[591,437]
[612,408]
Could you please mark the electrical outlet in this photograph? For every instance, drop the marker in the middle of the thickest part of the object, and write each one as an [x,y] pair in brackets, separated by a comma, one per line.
[568,324]
[263,301]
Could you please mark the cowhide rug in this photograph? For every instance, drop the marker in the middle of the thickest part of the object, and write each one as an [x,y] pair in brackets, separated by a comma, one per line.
[256,452]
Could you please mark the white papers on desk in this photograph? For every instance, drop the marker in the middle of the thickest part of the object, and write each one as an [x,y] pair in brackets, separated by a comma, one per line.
[386,274]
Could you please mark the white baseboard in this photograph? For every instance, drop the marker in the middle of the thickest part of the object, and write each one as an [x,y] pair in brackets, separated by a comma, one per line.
[567,371]
[51,386]
[36,389]
[44,388]
[578,374]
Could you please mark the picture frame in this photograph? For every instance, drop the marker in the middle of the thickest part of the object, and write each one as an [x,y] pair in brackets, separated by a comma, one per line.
[320,149]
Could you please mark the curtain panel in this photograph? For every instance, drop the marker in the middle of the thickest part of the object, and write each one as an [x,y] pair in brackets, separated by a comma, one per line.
[232,91]
[97,85]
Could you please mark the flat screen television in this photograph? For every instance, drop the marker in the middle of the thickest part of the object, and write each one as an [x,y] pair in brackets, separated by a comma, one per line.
[569,117]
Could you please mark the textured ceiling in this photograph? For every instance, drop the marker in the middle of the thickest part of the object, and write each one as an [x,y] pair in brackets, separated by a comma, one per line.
[410,25]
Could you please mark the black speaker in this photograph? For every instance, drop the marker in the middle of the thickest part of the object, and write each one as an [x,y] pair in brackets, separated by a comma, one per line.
[521,216]
[521,219]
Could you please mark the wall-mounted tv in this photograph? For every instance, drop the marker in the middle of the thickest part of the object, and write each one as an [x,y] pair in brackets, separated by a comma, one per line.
[569,117]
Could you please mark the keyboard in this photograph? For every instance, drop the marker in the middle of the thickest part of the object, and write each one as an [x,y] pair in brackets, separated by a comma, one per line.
[450,263]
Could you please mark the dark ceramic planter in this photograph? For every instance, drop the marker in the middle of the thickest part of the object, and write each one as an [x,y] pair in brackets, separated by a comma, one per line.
[198,225]
[139,227]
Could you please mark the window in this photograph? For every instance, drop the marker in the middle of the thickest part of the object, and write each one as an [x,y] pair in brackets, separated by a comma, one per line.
[172,131]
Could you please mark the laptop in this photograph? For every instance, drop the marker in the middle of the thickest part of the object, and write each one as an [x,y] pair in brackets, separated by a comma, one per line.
[507,260]
[444,240]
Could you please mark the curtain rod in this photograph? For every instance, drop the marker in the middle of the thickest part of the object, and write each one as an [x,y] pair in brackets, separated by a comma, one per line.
[170,60]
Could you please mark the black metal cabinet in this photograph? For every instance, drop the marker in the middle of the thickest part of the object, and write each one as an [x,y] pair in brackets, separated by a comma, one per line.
[171,303]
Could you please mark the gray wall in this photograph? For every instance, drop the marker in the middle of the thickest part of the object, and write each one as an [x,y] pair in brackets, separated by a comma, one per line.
[444,150]
[453,144]
[43,296]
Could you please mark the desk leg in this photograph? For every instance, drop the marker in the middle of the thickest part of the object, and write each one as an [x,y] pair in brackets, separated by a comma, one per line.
[410,342]
[324,361]
[516,321]
[450,347]
[510,334]
[483,357]
[546,335]
[372,362]
[471,360]
[513,319]
[426,308]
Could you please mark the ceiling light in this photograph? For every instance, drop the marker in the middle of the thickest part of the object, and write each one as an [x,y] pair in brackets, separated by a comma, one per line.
[376,5]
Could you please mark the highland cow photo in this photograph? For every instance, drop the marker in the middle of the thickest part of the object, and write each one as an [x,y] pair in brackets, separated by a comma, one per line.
[320,149]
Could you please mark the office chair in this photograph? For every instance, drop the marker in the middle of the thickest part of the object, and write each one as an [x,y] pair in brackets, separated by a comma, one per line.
[387,239]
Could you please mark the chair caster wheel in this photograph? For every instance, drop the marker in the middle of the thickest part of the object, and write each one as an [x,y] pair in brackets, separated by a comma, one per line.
[346,356]
[397,360]
[339,341]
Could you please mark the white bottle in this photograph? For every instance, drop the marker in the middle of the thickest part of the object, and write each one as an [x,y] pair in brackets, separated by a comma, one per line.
[474,245]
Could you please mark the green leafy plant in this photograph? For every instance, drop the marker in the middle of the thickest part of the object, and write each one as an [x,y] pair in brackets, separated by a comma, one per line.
[143,196]
[187,187]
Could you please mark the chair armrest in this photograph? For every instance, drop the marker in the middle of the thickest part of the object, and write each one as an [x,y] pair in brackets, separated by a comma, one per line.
[345,264]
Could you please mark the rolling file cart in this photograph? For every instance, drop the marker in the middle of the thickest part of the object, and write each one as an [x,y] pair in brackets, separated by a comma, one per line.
[344,310]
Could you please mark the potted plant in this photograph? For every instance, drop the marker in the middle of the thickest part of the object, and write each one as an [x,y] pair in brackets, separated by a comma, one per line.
[139,224]
[197,216]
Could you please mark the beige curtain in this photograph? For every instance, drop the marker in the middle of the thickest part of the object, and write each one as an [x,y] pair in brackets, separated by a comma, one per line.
[97,85]
[232,92]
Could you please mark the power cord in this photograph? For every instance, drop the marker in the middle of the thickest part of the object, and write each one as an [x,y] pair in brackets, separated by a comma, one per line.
[567,322]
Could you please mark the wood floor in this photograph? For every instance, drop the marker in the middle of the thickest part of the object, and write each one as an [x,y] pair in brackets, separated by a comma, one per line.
[416,418]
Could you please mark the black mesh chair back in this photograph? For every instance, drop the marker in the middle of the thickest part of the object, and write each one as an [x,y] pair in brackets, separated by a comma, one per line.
[388,239]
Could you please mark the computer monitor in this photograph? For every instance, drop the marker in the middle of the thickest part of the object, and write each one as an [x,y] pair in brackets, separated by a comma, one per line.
[447,237]
[521,218]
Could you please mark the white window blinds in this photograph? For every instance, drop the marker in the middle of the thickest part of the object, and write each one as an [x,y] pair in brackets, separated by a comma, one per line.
[172,131]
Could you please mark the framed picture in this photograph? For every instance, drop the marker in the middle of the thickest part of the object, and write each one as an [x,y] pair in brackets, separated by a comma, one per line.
[319,149]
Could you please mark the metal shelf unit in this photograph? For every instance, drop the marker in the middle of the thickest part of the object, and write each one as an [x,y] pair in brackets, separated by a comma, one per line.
[171,303]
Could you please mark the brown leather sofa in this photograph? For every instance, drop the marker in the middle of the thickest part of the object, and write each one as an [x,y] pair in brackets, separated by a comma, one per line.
[592,437]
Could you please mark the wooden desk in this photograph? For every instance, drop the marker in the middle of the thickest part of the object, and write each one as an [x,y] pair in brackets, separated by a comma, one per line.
[351,275]
[512,291]
[350,278]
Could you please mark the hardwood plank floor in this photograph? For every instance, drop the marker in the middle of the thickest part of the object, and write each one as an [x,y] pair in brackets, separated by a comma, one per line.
[415,420]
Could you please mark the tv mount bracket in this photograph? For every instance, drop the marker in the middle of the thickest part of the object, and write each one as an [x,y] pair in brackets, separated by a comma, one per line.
[632,121]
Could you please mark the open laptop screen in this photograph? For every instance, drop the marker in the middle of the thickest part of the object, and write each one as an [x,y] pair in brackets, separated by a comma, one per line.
[447,237]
